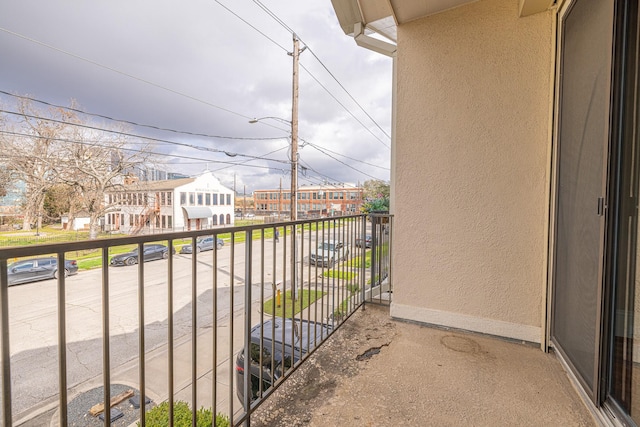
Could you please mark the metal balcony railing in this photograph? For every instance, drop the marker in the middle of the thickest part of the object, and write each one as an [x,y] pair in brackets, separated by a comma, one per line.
[189,326]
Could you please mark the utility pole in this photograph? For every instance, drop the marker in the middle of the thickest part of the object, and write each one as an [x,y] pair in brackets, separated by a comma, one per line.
[244,200]
[294,128]
[294,164]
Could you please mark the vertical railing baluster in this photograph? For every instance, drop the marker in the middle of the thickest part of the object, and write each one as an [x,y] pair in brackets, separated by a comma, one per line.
[284,296]
[363,260]
[274,288]
[62,340]
[169,333]
[248,250]
[6,353]
[194,331]
[232,262]
[141,344]
[106,361]
[214,350]
[261,305]
[389,252]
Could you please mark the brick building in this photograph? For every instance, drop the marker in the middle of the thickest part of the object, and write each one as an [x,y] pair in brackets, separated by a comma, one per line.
[313,200]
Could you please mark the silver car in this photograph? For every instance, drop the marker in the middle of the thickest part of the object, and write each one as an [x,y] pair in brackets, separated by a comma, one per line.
[328,253]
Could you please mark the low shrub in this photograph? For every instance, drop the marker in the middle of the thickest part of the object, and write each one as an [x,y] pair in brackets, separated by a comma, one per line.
[159,416]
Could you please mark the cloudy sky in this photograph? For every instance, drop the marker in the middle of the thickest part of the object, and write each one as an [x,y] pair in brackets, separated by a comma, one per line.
[207,67]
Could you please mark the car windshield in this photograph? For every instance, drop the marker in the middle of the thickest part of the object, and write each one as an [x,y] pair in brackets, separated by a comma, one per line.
[325,245]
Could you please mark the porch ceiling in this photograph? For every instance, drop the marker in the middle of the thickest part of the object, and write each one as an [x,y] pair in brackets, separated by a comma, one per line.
[383,16]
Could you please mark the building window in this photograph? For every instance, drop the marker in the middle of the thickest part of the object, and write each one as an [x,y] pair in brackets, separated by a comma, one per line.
[192,199]
[200,199]
[169,221]
[169,198]
[163,199]
[229,199]
[221,219]
[215,199]
[183,198]
[207,199]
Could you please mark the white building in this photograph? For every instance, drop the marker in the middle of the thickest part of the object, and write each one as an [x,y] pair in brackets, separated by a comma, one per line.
[178,204]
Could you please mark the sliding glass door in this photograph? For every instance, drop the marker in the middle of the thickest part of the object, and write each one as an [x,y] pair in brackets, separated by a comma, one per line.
[582,182]
[597,271]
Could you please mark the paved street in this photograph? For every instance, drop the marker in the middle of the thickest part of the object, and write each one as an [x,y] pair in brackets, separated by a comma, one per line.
[33,322]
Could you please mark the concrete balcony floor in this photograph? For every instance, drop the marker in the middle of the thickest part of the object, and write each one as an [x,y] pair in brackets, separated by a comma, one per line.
[375,371]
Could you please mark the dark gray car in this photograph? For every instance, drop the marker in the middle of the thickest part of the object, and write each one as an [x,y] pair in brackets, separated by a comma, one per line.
[151,252]
[30,270]
[269,362]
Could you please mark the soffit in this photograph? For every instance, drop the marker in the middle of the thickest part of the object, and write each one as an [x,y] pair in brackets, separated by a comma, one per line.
[383,16]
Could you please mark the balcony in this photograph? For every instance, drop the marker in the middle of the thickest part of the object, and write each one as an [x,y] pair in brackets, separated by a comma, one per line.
[362,367]
[375,371]
[156,331]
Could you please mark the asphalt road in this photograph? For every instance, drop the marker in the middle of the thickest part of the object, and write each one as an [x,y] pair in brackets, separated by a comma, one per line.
[33,314]
[33,318]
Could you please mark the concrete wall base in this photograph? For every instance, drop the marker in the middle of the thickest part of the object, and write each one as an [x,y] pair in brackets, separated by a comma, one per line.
[470,323]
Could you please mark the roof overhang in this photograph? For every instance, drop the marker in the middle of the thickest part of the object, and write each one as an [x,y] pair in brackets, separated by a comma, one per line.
[362,18]
[195,212]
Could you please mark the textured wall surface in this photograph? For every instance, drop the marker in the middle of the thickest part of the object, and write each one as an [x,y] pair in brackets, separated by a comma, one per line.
[473,114]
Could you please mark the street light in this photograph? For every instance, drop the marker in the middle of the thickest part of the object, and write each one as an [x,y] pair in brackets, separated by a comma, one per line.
[294,161]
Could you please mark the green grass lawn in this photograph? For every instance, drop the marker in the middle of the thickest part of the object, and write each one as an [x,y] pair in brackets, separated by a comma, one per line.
[306,298]
[344,275]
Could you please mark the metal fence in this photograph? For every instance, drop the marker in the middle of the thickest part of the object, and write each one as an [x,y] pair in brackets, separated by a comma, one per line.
[220,329]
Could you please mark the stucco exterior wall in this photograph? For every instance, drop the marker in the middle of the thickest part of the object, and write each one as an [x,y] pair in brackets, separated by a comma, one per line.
[470,176]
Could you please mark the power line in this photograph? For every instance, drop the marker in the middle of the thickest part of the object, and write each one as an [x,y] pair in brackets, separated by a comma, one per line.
[345,108]
[346,164]
[252,26]
[348,93]
[133,150]
[276,18]
[286,27]
[75,110]
[164,141]
[182,144]
[342,155]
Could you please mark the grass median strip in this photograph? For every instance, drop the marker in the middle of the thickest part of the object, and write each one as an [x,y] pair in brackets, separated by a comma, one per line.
[305,299]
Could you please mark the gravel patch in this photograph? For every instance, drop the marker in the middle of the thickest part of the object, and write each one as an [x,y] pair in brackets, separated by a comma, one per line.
[78,409]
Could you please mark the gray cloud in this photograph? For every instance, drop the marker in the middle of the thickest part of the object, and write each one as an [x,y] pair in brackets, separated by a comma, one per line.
[211,59]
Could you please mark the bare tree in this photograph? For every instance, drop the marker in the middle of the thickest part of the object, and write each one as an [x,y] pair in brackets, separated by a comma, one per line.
[55,147]
[96,164]
[32,147]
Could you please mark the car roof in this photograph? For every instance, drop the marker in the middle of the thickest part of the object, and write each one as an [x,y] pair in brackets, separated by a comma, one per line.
[300,340]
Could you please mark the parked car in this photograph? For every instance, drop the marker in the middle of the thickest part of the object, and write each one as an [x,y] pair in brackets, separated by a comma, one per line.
[307,336]
[30,270]
[367,242]
[151,252]
[328,253]
[202,244]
